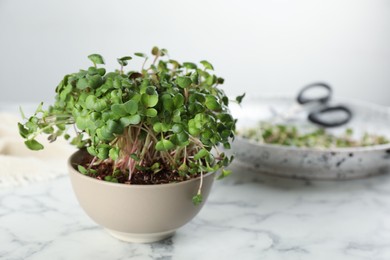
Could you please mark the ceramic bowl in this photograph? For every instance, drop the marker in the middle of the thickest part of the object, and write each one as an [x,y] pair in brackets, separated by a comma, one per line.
[137,213]
[314,163]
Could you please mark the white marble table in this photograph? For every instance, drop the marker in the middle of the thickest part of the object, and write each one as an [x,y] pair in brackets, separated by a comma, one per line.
[247,216]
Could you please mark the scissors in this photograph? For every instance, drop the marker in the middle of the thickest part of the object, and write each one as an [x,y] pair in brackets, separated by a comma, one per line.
[322,112]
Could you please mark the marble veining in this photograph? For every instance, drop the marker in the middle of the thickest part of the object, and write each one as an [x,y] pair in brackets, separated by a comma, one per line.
[247,216]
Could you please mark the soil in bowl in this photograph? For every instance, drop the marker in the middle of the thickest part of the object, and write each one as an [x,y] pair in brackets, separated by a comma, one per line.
[104,171]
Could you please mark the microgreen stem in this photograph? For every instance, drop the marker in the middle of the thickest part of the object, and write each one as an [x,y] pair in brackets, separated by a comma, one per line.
[41,130]
[92,162]
[143,64]
[200,184]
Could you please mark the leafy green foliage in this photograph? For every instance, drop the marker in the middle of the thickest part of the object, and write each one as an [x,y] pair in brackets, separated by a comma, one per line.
[168,116]
[197,199]
[96,59]
[183,82]
[124,60]
[33,145]
[240,98]
[164,145]
[82,169]
[207,65]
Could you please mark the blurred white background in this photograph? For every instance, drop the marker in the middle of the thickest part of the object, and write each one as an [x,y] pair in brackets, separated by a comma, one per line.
[260,47]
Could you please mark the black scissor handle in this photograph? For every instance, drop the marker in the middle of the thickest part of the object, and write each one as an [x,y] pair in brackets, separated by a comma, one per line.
[315,117]
[301,99]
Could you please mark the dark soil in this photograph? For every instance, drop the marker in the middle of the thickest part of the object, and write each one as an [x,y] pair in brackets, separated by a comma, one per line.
[138,177]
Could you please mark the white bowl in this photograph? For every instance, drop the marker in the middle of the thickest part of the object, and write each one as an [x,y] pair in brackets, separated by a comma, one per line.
[314,163]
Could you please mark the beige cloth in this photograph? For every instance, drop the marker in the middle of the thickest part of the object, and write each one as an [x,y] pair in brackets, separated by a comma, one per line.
[19,165]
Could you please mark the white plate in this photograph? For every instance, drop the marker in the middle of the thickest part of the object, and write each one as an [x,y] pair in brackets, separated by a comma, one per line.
[312,163]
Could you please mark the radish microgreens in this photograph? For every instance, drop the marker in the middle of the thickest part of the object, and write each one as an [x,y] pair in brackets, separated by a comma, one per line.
[169,115]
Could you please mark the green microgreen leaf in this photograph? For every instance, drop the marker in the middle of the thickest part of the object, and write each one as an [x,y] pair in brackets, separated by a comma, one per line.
[167,102]
[90,101]
[119,110]
[130,120]
[32,144]
[212,103]
[177,128]
[183,82]
[23,131]
[96,59]
[39,109]
[163,52]
[183,169]
[123,61]
[114,153]
[240,98]
[182,137]
[202,153]
[82,122]
[140,54]
[161,127]
[195,78]
[207,65]
[193,128]
[164,145]
[91,150]
[178,100]
[131,107]
[114,127]
[224,173]
[149,100]
[101,71]
[175,63]
[189,65]
[197,199]
[155,51]
[82,169]
[82,84]
[220,80]
[95,81]
[151,112]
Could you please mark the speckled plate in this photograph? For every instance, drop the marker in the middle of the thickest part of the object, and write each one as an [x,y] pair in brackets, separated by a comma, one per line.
[310,163]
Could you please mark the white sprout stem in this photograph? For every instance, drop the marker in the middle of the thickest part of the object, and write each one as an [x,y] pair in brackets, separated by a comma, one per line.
[201,183]
[130,171]
[92,162]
